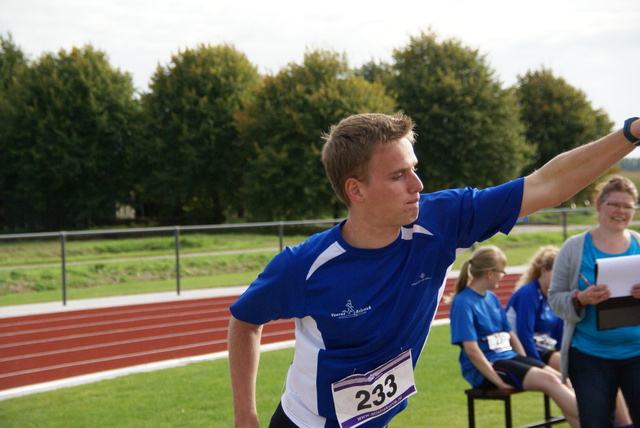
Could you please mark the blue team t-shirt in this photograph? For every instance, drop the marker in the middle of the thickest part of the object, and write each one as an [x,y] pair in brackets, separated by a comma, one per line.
[530,314]
[355,309]
[475,317]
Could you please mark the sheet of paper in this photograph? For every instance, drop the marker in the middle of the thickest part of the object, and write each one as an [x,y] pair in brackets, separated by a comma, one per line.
[619,273]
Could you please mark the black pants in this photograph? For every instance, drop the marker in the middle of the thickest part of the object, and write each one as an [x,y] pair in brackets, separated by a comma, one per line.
[280,420]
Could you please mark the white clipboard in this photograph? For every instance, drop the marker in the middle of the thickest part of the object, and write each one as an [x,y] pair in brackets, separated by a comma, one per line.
[619,273]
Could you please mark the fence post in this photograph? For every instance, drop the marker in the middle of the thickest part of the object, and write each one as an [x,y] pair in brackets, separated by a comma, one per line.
[564,224]
[64,267]
[280,234]
[176,235]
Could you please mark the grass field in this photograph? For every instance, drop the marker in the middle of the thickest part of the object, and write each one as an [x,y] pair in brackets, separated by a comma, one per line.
[199,395]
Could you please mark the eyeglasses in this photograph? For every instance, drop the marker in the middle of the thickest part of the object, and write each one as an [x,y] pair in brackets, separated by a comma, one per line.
[617,206]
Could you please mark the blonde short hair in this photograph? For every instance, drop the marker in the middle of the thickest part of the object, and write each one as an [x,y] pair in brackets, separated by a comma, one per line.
[349,145]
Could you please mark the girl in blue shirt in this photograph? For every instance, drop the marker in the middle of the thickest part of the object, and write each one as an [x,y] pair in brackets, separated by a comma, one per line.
[537,326]
[491,355]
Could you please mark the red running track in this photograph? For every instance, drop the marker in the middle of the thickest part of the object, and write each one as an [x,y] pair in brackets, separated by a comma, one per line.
[47,347]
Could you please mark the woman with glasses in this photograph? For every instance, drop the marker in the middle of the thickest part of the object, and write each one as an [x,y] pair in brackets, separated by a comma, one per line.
[598,362]
[491,355]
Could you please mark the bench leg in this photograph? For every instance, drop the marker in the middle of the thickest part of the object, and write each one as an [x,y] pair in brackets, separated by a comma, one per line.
[549,419]
[507,412]
[547,409]
[471,411]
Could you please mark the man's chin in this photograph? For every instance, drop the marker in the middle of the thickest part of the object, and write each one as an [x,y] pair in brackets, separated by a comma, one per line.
[410,217]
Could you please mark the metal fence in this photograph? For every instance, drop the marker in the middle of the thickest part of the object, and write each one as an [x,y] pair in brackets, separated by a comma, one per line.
[62,235]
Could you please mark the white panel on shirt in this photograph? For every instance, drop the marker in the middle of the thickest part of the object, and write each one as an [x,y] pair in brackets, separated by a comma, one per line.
[300,400]
[333,251]
[407,232]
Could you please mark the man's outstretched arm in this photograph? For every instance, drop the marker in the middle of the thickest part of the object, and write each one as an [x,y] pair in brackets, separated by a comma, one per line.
[568,173]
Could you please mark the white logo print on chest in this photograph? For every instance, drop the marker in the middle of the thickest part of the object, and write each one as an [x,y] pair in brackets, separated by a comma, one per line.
[350,311]
[423,277]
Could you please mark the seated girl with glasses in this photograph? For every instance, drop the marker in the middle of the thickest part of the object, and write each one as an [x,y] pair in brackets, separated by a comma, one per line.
[491,355]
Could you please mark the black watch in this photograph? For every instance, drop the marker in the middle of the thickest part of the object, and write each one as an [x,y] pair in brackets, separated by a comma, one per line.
[626,130]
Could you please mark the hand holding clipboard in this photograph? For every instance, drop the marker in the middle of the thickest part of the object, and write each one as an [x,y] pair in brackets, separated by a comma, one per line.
[593,294]
[621,277]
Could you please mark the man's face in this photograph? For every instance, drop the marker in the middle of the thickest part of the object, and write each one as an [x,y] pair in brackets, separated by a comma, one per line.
[392,190]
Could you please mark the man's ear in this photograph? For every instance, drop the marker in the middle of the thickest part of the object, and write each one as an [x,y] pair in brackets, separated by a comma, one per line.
[353,187]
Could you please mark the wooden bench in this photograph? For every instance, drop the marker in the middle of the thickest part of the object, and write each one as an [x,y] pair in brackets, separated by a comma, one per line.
[505,396]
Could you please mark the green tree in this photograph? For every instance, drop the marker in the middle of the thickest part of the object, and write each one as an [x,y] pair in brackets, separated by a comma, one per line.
[372,71]
[13,62]
[284,125]
[191,157]
[65,135]
[469,133]
[556,115]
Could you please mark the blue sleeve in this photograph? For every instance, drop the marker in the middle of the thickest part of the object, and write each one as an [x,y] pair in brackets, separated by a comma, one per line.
[472,215]
[525,305]
[495,209]
[277,293]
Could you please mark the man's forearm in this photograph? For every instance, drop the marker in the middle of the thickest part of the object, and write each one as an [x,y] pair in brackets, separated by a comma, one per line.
[570,172]
[244,356]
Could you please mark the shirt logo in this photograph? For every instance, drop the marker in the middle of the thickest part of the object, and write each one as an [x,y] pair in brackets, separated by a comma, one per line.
[423,277]
[350,311]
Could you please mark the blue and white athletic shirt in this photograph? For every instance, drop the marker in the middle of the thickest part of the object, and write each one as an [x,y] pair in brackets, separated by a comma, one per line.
[355,309]
[474,318]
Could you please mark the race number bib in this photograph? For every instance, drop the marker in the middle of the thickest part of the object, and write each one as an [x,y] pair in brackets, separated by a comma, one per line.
[544,342]
[361,397]
[499,342]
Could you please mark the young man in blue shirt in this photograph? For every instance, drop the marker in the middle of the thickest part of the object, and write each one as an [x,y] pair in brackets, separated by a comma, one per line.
[363,294]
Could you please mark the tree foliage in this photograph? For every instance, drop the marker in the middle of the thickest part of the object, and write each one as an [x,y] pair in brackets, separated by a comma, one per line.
[285,178]
[468,127]
[13,62]
[557,117]
[191,155]
[66,121]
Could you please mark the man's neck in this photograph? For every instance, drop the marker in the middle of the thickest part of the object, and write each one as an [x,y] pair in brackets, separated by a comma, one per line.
[365,235]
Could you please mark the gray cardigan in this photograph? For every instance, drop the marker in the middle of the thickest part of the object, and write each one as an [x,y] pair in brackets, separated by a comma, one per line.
[564,282]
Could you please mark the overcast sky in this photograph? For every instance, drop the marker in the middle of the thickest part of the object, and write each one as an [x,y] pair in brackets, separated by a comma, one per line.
[593,44]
